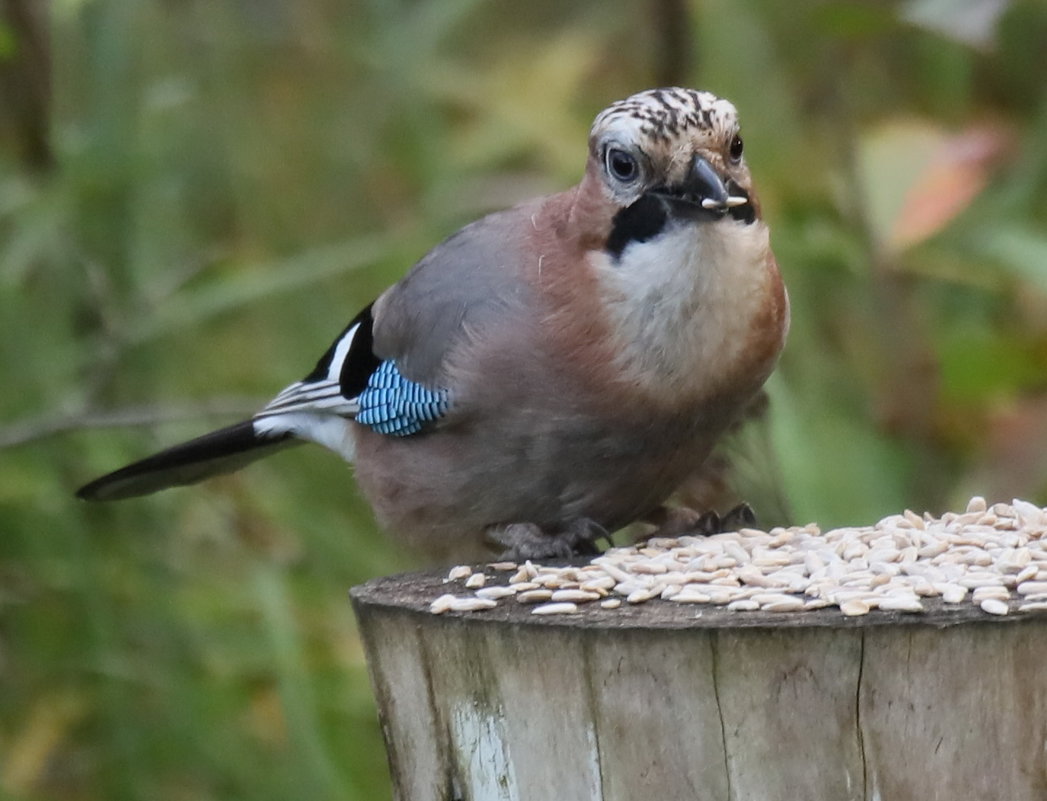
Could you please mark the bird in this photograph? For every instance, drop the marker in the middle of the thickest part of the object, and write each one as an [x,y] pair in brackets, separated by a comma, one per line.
[552,372]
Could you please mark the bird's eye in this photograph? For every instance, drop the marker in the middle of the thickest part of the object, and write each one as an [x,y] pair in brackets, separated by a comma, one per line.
[736,148]
[622,165]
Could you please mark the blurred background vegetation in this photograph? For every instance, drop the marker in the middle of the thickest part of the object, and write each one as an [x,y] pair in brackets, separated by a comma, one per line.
[196,195]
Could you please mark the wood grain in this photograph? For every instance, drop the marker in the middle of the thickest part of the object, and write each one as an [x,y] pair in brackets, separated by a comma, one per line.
[671,701]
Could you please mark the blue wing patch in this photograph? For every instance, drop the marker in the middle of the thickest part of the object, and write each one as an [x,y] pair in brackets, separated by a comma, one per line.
[392,404]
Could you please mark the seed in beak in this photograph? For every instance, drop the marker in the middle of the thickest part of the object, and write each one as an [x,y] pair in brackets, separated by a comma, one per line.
[729,203]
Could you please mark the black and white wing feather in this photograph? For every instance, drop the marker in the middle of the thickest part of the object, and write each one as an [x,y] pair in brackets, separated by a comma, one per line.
[349,382]
[316,408]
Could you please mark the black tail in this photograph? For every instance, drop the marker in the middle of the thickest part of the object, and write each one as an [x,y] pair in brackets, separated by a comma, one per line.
[221,451]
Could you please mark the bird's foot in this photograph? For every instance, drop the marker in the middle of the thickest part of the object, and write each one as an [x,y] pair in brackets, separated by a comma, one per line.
[522,541]
[678,521]
[741,516]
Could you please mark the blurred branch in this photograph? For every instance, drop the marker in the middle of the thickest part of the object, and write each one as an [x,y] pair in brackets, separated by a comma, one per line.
[25,78]
[48,425]
[909,374]
[674,42]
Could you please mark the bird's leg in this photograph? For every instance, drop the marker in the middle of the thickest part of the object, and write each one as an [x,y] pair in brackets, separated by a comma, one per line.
[676,521]
[585,533]
[522,541]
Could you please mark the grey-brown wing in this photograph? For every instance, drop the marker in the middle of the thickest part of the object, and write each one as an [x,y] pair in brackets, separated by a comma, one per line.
[469,283]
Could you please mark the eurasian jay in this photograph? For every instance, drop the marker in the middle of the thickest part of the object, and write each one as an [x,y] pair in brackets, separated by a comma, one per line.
[551,372]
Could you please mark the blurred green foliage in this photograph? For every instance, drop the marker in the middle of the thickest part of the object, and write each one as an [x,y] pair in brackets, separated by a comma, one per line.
[223,184]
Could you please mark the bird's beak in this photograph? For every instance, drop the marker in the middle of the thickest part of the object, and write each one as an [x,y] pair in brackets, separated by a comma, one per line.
[703,194]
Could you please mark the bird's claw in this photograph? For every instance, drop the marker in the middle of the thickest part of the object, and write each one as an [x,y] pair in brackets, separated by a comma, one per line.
[680,521]
[523,541]
[710,522]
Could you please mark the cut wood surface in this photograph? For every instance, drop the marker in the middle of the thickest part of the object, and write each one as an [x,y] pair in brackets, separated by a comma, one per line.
[666,701]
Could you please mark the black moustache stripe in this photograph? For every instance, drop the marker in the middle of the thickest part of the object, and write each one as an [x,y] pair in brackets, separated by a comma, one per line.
[643,220]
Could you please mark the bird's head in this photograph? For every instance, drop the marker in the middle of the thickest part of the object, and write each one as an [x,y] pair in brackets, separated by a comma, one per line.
[675,260]
[664,156]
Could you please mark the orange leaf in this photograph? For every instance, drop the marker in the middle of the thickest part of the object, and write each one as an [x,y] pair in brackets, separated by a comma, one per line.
[957,173]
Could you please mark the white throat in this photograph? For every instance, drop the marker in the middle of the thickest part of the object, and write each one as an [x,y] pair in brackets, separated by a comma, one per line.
[683,303]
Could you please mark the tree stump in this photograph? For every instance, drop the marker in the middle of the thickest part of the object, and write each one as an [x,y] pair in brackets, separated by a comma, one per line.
[665,702]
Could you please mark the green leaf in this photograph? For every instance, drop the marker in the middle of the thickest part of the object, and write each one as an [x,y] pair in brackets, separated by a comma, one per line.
[8,42]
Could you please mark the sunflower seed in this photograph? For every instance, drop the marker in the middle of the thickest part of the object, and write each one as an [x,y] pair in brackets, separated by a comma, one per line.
[495,593]
[984,552]
[441,604]
[555,609]
[575,595]
[459,572]
[899,604]
[471,604]
[534,596]
[999,592]
[855,606]
[994,606]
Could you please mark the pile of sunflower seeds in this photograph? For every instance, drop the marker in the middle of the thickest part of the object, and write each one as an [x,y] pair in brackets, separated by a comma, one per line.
[993,556]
